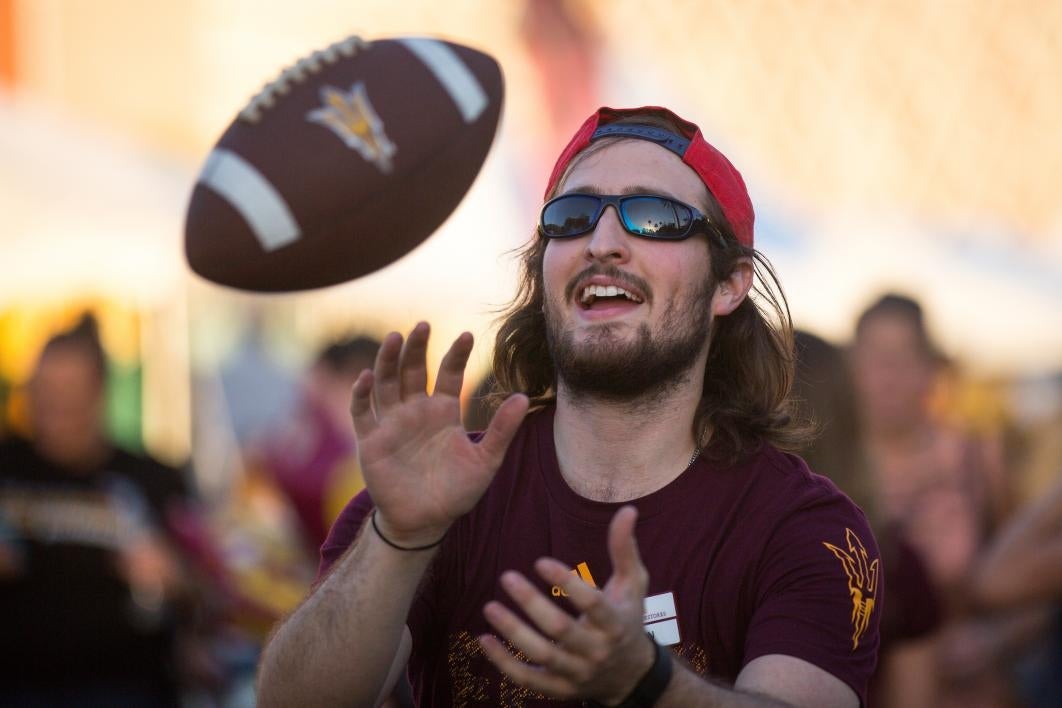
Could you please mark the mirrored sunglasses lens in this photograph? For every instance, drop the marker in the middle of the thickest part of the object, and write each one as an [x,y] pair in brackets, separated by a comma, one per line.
[656,217]
[569,215]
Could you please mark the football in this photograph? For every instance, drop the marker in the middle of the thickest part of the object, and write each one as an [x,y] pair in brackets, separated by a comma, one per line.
[350,159]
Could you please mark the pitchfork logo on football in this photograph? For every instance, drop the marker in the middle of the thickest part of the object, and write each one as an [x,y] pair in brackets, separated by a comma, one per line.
[862,581]
[352,117]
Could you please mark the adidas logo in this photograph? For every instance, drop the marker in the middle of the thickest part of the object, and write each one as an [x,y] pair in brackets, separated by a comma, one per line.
[583,571]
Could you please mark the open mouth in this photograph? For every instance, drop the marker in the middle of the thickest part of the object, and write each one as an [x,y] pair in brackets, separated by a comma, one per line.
[602,296]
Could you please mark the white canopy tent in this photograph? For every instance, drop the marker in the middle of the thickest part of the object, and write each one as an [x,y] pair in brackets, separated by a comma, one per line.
[85,212]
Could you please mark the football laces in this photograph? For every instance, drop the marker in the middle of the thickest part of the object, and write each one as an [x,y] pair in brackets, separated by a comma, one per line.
[296,73]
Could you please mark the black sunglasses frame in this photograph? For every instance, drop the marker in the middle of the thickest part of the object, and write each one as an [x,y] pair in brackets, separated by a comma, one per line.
[699,223]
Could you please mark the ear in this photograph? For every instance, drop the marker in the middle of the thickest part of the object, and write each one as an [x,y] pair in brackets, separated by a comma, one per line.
[732,291]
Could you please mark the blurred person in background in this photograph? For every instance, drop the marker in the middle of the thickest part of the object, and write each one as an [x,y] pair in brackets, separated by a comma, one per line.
[935,481]
[1022,568]
[90,585]
[4,393]
[825,397]
[296,468]
[313,456]
[939,484]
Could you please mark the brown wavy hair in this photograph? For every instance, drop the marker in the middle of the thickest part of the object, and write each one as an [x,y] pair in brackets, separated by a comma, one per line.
[749,372]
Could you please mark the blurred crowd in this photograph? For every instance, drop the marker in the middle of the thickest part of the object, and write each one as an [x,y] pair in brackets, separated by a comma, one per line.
[972,605]
[124,583]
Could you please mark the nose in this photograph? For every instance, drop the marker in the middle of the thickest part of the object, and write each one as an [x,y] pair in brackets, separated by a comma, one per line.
[608,241]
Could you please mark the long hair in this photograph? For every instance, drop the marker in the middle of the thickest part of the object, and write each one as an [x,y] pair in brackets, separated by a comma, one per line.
[825,400]
[824,395]
[749,370]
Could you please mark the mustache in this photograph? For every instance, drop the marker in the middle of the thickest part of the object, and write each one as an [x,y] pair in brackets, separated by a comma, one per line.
[609,271]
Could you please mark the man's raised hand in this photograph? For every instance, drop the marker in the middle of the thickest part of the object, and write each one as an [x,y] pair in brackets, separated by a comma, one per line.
[419,465]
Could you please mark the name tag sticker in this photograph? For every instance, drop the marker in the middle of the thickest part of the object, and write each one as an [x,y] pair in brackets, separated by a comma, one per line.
[665,633]
[659,607]
[661,619]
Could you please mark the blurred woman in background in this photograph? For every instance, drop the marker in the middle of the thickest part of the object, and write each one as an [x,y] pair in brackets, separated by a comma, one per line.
[940,486]
[826,398]
[936,482]
[92,588]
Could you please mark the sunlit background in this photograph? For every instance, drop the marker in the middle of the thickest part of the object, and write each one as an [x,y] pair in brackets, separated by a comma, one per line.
[903,145]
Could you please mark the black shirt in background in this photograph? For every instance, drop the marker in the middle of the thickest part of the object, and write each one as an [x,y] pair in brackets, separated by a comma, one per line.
[70,621]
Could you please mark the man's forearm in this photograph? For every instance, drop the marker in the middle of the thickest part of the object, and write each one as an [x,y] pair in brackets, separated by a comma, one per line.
[688,690]
[338,646]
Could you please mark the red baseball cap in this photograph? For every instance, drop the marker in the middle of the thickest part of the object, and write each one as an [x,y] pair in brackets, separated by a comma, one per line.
[720,177]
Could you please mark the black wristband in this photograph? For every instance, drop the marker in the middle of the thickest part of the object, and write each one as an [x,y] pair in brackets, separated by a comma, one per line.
[652,685]
[394,545]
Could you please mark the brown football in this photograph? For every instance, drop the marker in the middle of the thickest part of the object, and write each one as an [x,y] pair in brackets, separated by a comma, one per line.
[345,163]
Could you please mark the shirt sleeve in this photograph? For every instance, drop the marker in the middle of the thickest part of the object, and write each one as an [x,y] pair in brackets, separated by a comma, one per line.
[819,587]
[343,532]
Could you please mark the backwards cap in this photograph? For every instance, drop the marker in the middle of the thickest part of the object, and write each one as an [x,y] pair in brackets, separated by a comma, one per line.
[720,177]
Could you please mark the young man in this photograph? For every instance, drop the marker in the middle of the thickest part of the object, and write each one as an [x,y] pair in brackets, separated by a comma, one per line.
[636,539]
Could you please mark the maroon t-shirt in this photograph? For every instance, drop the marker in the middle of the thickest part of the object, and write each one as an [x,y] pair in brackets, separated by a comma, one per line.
[763,557]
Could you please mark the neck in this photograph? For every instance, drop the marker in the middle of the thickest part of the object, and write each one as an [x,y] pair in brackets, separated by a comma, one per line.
[617,451]
[77,458]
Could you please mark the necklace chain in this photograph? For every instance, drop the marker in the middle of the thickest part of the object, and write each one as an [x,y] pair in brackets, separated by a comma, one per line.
[694,456]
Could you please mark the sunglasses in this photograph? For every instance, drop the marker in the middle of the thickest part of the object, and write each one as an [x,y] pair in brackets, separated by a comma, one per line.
[645,215]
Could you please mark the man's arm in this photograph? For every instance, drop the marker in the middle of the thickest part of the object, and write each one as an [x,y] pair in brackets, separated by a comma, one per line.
[604,653]
[345,642]
[794,681]
[342,646]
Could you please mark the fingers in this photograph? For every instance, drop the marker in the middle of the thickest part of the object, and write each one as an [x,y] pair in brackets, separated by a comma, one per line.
[503,427]
[535,646]
[386,387]
[550,618]
[585,598]
[524,674]
[585,636]
[412,362]
[557,642]
[401,368]
[452,369]
[361,404]
[627,566]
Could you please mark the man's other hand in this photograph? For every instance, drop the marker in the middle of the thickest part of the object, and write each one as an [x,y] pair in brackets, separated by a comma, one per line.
[602,654]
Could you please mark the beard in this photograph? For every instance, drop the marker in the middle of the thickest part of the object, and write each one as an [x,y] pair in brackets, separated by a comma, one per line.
[644,369]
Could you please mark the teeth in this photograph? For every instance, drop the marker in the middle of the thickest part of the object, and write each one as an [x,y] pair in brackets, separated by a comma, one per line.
[594,291]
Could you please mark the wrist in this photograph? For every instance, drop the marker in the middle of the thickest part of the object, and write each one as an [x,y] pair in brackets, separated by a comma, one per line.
[652,684]
[420,541]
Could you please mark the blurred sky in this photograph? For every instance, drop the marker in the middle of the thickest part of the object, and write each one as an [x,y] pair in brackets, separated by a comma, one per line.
[903,144]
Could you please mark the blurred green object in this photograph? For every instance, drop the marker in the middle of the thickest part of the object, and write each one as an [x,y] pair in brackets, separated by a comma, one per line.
[124,404]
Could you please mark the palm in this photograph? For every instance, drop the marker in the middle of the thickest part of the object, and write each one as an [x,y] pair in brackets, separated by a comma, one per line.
[419,464]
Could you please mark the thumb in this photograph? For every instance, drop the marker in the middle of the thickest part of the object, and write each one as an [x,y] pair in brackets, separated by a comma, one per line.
[503,427]
[627,566]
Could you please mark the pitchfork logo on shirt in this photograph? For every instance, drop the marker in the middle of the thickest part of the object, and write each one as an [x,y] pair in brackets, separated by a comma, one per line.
[862,581]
